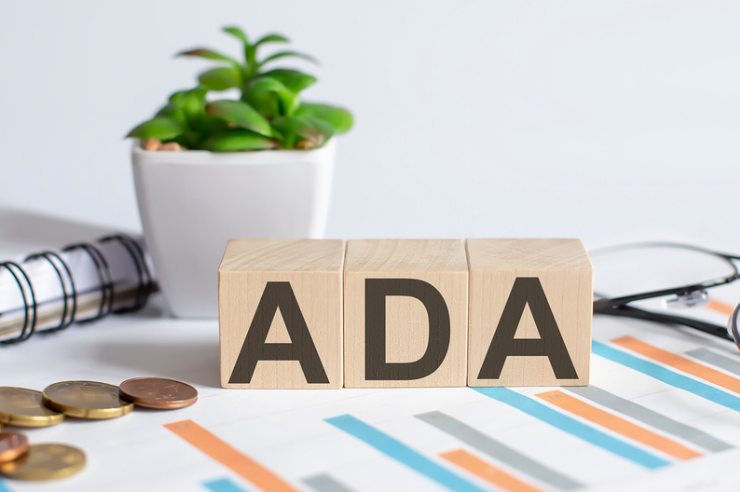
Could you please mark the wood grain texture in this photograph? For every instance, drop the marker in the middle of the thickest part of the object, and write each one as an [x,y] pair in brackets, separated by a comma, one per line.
[564,272]
[441,264]
[313,269]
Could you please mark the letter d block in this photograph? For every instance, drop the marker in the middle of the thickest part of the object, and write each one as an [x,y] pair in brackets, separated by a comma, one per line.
[530,312]
[405,313]
[280,314]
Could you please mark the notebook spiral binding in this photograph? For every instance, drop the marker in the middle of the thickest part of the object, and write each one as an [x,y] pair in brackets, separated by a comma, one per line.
[68,315]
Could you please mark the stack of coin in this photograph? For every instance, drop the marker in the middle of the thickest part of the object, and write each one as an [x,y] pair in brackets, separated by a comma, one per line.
[21,407]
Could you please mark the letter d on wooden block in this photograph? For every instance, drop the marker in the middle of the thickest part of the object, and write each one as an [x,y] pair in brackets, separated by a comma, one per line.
[530,312]
[280,314]
[405,313]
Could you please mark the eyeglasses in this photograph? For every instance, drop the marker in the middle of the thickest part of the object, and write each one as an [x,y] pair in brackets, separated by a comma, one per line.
[674,275]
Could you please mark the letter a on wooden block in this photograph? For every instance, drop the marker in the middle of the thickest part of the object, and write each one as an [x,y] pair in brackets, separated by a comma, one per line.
[405,305]
[280,314]
[530,312]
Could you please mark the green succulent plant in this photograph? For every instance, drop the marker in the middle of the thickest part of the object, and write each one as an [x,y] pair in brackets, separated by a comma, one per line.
[269,113]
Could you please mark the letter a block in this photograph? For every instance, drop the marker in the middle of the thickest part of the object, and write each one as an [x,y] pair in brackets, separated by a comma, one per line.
[530,312]
[280,314]
[405,306]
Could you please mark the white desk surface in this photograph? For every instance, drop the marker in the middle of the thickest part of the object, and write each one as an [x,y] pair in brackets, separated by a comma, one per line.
[287,432]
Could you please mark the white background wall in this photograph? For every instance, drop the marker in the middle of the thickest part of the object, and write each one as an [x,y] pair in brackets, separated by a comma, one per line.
[474,118]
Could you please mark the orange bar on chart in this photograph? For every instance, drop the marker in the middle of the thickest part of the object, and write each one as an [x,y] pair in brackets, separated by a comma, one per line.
[679,362]
[229,456]
[619,425]
[486,471]
[720,307]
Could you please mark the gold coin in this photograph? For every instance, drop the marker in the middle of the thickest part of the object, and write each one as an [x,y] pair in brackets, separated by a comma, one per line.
[45,462]
[24,408]
[86,400]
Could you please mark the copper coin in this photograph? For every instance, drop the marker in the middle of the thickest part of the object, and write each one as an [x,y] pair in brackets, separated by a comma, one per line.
[159,393]
[13,445]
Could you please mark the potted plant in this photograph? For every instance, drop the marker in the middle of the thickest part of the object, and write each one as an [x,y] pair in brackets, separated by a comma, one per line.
[208,169]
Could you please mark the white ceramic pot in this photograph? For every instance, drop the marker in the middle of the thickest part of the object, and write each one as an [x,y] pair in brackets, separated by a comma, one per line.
[192,202]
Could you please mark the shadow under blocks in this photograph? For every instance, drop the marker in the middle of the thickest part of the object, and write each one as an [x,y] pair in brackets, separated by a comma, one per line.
[404,313]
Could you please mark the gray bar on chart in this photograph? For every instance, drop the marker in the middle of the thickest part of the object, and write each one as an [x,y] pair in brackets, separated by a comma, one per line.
[496,449]
[325,483]
[726,363]
[651,417]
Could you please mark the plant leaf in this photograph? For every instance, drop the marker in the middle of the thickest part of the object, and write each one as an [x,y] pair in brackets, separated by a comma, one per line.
[221,78]
[264,92]
[237,32]
[339,118]
[208,54]
[272,37]
[160,127]
[240,114]
[193,103]
[287,54]
[176,97]
[238,140]
[173,111]
[294,80]
[293,128]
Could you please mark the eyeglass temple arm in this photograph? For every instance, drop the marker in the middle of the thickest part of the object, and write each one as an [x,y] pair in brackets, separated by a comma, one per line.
[637,313]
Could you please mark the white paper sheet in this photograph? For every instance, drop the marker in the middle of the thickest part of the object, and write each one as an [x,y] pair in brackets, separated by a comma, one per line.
[287,432]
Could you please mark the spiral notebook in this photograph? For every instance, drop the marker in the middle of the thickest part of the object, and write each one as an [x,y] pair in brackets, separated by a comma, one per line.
[50,290]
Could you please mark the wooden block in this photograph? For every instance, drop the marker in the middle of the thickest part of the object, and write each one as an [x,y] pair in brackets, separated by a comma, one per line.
[530,312]
[280,314]
[405,305]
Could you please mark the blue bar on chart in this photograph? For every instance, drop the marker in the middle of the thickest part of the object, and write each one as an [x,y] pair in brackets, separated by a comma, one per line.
[667,376]
[574,427]
[223,485]
[402,453]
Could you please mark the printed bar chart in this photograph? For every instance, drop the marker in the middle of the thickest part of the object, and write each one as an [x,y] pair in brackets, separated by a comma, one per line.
[667,376]
[325,483]
[229,456]
[499,451]
[629,431]
[574,427]
[486,471]
[618,425]
[721,361]
[651,418]
[402,453]
[720,307]
[679,362]
[223,485]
